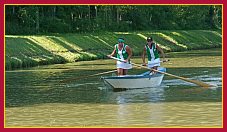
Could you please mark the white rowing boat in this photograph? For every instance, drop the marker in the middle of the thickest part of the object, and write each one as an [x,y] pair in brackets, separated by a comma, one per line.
[143,80]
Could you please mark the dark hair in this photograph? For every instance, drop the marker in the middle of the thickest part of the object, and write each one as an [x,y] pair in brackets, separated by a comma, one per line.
[149,39]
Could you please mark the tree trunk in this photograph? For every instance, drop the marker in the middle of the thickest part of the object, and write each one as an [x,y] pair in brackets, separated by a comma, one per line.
[117,17]
[96,11]
[53,12]
[37,20]
[212,16]
[106,17]
[89,13]
[13,10]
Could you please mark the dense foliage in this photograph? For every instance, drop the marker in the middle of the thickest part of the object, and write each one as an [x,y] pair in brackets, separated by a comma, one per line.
[40,19]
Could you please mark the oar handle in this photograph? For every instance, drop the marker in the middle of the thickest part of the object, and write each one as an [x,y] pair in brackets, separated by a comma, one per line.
[116,58]
[84,77]
[137,64]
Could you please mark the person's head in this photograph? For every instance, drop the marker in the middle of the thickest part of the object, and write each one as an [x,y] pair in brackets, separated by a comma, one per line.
[149,39]
[121,40]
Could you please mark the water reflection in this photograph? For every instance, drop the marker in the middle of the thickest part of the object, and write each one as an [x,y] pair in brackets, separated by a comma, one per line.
[27,88]
[35,97]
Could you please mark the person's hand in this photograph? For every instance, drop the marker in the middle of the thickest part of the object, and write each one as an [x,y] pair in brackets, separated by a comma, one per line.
[165,60]
[144,64]
[125,61]
[109,56]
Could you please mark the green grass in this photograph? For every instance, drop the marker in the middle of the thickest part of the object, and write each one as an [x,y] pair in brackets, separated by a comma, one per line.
[28,51]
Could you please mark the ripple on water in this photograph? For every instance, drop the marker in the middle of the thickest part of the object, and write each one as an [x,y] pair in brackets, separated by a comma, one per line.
[72,85]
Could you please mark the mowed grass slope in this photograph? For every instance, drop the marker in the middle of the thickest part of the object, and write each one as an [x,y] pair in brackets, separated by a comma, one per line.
[28,51]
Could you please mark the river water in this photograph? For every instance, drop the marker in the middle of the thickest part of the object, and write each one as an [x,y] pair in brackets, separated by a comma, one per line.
[37,97]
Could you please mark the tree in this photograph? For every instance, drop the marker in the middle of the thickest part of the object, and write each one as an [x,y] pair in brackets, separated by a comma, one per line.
[26,19]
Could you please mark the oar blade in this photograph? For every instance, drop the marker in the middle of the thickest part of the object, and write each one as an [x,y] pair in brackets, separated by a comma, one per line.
[200,83]
[197,82]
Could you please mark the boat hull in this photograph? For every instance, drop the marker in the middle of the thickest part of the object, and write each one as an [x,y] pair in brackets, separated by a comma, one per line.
[135,81]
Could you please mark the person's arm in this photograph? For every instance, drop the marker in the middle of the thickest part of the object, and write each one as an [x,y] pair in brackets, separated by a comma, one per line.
[129,51]
[113,53]
[161,51]
[143,56]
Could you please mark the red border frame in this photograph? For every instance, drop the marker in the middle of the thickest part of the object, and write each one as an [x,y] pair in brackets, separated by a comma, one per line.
[114,2]
[99,2]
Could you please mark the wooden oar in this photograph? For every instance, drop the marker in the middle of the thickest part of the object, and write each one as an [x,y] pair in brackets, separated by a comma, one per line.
[199,83]
[84,77]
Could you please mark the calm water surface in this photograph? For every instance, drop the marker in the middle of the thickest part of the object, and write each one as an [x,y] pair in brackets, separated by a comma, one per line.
[36,97]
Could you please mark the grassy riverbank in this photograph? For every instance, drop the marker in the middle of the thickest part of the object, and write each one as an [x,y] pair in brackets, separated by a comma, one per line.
[27,51]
